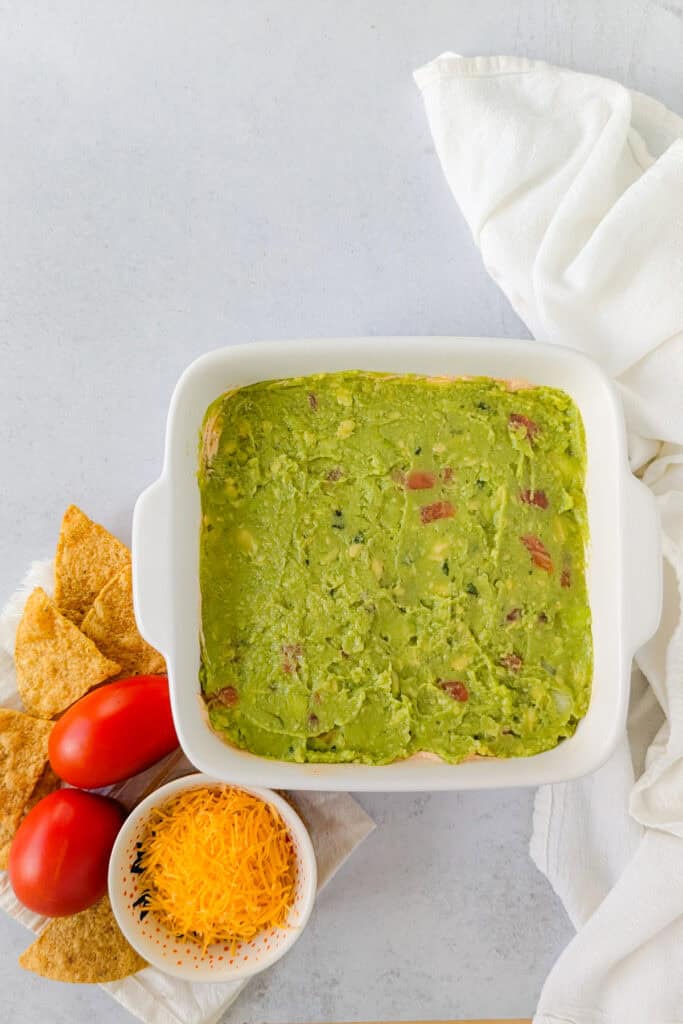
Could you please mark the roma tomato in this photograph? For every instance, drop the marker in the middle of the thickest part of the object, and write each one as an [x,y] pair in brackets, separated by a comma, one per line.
[59,857]
[114,732]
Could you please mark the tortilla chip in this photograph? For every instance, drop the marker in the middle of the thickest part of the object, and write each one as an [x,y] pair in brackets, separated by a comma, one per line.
[87,556]
[110,623]
[47,783]
[23,757]
[55,663]
[87,948]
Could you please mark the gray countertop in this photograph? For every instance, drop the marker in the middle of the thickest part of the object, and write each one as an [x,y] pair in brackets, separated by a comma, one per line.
[182,174]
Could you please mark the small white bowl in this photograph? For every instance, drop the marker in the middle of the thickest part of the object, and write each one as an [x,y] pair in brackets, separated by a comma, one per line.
[184,958]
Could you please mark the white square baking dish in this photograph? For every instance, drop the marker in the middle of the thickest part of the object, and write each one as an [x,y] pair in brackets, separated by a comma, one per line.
[624,563]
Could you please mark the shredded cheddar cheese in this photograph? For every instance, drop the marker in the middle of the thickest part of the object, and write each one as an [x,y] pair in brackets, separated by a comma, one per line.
[219,865]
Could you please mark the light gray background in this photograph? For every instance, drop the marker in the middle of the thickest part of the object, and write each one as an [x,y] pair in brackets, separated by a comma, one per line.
[182,174]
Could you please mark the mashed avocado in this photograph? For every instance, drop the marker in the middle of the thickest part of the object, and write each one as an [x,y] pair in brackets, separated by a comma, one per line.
[393,564]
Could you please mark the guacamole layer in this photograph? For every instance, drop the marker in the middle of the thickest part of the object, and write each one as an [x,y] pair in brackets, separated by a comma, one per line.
[393,564]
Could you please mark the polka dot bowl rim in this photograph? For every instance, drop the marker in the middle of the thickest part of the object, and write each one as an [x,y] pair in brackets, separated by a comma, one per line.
[183,958]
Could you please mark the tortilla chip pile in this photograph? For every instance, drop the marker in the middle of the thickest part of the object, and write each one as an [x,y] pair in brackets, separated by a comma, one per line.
[87,634]
[64,647]
[88,556]
[111,625]
[56,663]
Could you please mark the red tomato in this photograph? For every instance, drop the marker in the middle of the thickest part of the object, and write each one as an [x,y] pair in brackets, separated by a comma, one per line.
[455,689]
[516,420]
[437,510]
[60,854]
[420,480]
[540,555]
[114,732]
[538,498]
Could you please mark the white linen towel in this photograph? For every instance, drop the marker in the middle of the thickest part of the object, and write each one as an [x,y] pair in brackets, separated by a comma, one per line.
[337,825]
[572,186]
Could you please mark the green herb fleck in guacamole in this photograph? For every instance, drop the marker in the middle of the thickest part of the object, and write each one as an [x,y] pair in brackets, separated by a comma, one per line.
[393,564]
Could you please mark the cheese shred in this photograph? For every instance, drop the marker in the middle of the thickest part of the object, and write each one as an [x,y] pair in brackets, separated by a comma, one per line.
[219,866]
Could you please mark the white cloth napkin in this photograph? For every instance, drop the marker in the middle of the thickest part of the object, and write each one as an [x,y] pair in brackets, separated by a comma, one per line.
[573,188]
[337,825]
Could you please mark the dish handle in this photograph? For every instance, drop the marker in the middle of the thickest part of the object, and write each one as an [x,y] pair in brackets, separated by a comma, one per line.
[151,590]
[642,564]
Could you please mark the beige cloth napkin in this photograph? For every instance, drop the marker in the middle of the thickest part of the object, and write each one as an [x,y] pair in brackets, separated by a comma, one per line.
[337,825]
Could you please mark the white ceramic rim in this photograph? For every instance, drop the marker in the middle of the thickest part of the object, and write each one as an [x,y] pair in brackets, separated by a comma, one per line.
[624,558]
[307,859]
